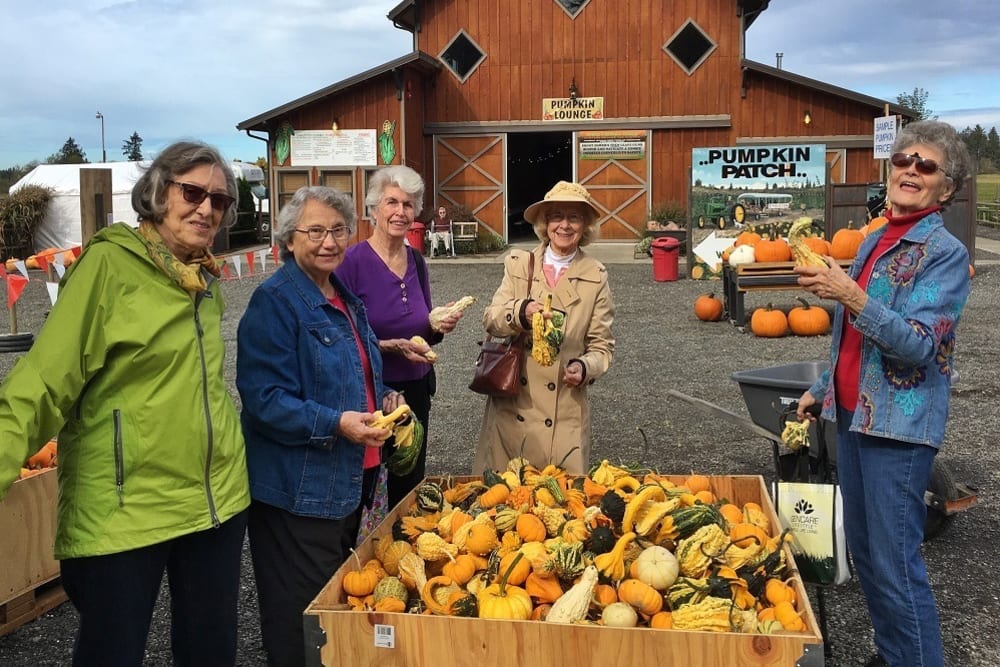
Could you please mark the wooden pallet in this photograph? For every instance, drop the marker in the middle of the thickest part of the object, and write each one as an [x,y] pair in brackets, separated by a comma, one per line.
[28,606]
[755,276]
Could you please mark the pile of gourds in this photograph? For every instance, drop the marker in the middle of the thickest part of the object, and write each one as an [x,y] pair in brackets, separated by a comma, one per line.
[618,547]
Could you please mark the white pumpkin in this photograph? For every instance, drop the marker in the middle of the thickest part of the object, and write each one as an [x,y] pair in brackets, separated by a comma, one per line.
[741,254]
[619,615]
[656,567]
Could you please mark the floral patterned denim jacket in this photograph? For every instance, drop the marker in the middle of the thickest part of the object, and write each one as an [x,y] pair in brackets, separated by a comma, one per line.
[916,293]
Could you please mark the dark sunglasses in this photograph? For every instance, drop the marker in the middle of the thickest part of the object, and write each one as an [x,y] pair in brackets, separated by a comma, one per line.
[924,165]
[194,194]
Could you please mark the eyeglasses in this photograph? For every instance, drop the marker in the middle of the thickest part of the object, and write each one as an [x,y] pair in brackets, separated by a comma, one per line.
[194,194]
[924,165]
[558,216]
[318,234]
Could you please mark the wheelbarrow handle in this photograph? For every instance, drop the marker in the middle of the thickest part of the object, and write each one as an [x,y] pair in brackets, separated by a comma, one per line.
[815,409]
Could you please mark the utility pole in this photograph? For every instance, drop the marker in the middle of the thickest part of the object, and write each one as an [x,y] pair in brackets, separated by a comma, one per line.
[104,153]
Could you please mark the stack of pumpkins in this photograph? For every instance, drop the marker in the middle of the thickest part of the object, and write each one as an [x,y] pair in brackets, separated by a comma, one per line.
[805,320]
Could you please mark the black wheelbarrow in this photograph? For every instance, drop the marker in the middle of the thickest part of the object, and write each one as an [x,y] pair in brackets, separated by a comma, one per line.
[771,395]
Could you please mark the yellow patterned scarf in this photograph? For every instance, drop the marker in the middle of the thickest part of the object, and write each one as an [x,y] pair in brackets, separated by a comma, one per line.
[188,276]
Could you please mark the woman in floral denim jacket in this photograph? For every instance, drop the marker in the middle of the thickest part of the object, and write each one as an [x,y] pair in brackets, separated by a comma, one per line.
[889,382]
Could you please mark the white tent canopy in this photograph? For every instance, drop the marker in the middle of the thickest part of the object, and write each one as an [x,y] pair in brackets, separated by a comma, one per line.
[61,226]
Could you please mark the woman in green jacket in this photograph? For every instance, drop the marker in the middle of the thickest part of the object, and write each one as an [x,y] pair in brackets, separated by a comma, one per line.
[128,370]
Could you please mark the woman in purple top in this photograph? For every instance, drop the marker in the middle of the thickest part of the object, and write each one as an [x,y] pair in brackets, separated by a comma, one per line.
[391,279]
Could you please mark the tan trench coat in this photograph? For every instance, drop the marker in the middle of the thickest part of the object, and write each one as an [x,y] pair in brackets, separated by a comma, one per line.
[548,417]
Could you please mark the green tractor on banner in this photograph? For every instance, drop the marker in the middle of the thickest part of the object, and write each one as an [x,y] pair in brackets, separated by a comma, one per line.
[720,211]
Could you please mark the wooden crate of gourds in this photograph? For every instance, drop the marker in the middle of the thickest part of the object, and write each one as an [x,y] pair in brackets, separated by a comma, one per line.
[620,548]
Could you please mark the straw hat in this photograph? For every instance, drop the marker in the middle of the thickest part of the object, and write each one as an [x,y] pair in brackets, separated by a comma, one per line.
[563,191]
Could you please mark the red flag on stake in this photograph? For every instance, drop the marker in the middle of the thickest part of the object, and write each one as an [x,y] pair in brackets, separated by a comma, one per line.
[3,272]
[43,262]
[250,261]
[225,271]
[274,253]
[76,250]
[15,285]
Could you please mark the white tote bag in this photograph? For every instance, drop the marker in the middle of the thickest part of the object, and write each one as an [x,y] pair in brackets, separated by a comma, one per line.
[813,514]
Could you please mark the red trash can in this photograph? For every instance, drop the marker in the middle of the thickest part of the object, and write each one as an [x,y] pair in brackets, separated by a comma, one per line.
[415,236]
[666,252]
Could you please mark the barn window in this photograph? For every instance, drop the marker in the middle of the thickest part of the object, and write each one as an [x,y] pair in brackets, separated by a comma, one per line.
[572,7]
[462,56]
[689,46]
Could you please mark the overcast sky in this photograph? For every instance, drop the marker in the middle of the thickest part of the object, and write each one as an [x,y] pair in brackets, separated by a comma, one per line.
[173,69]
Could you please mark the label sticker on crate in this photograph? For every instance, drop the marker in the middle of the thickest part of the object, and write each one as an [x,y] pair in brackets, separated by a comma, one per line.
[385,636]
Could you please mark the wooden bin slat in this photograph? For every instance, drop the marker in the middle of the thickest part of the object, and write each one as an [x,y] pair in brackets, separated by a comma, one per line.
[28,527]
[446,641]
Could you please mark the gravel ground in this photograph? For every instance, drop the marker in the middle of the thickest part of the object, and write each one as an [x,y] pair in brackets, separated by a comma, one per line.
[662,345]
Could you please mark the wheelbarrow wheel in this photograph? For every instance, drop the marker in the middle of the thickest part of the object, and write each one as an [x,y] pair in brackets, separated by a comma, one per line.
[20,342]
[942,484]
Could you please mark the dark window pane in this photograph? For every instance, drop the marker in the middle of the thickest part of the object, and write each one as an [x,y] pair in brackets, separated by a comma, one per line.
[462,56]
[689,46]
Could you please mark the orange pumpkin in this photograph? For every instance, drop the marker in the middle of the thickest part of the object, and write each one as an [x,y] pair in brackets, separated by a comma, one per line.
[769,322]
[873,224]
[772,249]
[748,237]
[662,620]
[708,308]
[846,241]
[818,245]
[806,320]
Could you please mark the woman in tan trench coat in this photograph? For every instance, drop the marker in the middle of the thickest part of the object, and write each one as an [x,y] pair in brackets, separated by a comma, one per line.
[551,414]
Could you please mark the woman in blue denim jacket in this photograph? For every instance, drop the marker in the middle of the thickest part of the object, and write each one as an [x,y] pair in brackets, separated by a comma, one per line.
[889,382]
[309,373]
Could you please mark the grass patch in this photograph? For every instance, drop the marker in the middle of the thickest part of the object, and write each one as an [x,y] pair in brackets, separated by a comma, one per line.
[988,187]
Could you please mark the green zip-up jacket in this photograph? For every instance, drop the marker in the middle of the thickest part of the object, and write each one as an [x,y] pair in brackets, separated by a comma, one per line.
[128,370]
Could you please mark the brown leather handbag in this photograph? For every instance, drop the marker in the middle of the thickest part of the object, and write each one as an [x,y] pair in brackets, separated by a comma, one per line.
[498,366]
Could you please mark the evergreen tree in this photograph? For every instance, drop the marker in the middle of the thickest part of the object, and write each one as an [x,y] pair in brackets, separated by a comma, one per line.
[993,147]
[975,140]
[132,147]
[917,102]
[70,153]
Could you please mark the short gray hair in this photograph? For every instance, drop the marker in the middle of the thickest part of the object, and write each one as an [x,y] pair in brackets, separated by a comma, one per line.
[942,136]
[404,178]
[291,213]
[149,195]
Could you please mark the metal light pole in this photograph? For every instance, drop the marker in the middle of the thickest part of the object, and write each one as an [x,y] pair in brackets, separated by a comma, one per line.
[104,154]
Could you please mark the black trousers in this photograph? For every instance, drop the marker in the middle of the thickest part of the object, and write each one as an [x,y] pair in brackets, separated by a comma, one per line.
[115,595]
[418,396]
[293,558]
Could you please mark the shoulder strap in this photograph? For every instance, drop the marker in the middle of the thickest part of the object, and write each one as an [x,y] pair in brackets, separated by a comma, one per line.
[531,271]
[421,265]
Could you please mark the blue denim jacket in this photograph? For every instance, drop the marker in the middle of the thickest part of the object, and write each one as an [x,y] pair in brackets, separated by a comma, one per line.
[297,371]
[916,293]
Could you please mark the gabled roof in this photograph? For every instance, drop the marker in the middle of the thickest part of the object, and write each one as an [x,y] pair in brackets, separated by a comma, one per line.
[416,59]
[406,15]
[784,75]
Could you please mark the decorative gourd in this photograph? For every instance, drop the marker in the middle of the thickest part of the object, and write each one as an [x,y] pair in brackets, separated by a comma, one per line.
[845,243]
[504,602]
[818,245]
[790,620]
[574,530]
[362,581]
[613,506]
[742,254]
[412,572]
[708,308]
[772,249]
[389,551]
[612,564]
[604,594]
[601,540]
[732,514]
[493,496]
[695,483]
[543,589]
[662,620]
[806,320]
[482,539]
[695,553]
[430,497]
[769,322]
[432,547]
[531,528]
[572,606]
[754,513]
[390,604]
[714,614]
[745,534]
[390,587]
[460,569]
[748,237]
[435,594]
[775,590]
[657,567]
[619,615]
[518,572]
[644,598]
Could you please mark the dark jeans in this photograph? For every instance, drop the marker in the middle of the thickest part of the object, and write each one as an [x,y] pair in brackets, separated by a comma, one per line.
[293,558]
[115,595]
[418,397]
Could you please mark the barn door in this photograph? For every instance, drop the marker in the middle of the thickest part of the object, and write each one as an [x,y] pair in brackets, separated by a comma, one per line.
[470,171]
[614,167]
